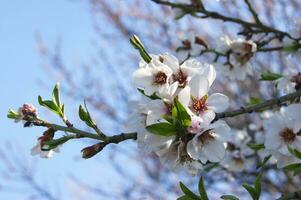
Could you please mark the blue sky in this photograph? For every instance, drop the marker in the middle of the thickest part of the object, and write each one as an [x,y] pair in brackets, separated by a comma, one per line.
[21,70]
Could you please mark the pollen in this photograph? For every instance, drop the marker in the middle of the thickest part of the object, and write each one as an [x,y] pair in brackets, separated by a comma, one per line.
[160,78]
[181,77]
[288,135]
[199,105]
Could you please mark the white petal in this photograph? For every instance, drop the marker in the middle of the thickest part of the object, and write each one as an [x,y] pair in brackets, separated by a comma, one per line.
[214,151]
[192,150]
[210,73]
[207,116]
[184,96]
[222,130]
[143,77]
[199,86]
[218,102]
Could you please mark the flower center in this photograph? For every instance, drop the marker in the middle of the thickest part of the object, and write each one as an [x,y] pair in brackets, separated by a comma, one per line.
[288,135]
[181,77]
[206,137]
[199,105]
[160,78]
[186,44]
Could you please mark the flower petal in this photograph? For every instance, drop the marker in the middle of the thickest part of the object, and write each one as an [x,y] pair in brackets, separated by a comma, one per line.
[218,102]
[199,86]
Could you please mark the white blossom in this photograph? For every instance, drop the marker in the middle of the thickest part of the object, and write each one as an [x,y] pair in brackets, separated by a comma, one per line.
[209,144]
[281,132]
[191,45]
[241,52]
[37,150]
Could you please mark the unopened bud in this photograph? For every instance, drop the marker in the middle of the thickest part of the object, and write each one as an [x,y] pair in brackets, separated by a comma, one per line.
[28,110]
[47,136]
[91,151]
[200,41]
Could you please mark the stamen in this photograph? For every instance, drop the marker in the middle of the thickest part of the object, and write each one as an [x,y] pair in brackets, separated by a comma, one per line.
[288,135]
[160,78]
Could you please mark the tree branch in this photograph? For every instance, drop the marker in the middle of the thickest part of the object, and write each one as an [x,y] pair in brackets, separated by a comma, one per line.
[259,107]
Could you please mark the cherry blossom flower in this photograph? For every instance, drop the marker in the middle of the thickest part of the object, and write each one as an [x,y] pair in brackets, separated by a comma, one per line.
[153,77]
[237,152]
[241,52]
[282,130]
[176,157]
[191,45]
[137,121]
[197,101]
[289,83]
[209,144]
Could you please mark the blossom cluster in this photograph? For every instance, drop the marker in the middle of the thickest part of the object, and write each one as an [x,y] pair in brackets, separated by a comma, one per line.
[172,90]
[176,119]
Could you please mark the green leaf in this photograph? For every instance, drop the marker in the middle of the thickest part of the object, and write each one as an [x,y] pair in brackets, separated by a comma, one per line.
[210,167]
[257,185]
[152,97]
[188,192]
[13,115]
[254,101]
[295,167]
[163,129]
[256,147]
[269,76]
[229,197]
[295,152]
[56,95]
[168,118]
[84,115]
[55,143]
[202,190]
[265,160]
[50,105]
[184,197]
[181,114]
[294,47]
[251,191]
[137,44]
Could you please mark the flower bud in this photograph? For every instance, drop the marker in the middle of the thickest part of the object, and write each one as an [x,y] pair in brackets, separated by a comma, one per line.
[91,151]
[28,110]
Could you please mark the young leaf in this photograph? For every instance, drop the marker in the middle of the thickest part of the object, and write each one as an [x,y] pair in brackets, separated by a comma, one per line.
[295,167]
[292,48]
[254,101]
[265,160]
[229,197]
[295,152]
[50,105]
[269,76]
[251,191]
[202,190]
[257,185]
[137,44]
[163,129]
[188,192]
[13,115]
[152,97]
[56,95]
[256,147]
[51,144]
[181,114]
[84,115]
[185,197]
